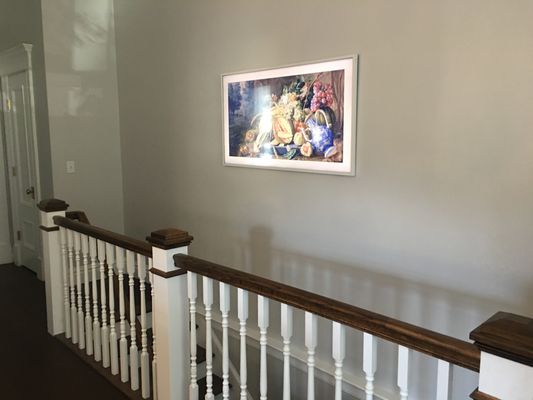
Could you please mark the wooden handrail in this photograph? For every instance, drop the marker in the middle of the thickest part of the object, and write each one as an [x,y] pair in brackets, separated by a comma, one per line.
[78,216]
[126,242]
[435,344]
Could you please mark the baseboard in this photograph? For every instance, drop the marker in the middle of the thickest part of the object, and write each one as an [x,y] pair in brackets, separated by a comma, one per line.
[353,384]
[6,253]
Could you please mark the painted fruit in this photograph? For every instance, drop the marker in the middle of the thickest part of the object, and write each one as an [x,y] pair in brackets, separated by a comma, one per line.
[299,126]
[325,116]
[250,135]
[307,150]
[244,151]
[299,138]
[282,130]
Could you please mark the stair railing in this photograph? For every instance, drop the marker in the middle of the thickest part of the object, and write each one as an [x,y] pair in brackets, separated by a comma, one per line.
[74,252]
[502,352]
[97,287]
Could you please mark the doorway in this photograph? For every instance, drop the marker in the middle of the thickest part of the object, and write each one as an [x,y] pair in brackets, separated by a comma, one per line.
[20,157]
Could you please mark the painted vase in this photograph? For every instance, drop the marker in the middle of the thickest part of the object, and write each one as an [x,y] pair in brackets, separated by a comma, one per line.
[321,137]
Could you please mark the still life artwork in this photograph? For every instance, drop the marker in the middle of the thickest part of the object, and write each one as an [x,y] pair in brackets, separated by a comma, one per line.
[297,118]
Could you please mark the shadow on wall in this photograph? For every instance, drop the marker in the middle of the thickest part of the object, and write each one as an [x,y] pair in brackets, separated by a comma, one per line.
[431,307]
[396,297]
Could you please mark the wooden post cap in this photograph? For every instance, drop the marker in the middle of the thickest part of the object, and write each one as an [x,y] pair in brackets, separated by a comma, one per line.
[477,395]
[169,238]
[51,205]
[508,336]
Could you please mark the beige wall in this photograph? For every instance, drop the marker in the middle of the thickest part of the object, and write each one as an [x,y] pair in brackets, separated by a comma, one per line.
[436,227]
[82,94]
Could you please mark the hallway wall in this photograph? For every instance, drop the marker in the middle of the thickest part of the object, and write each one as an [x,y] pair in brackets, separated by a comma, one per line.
[81,77]
[435,229]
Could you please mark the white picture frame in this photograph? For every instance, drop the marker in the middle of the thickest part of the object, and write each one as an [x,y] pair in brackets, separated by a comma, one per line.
[281,118]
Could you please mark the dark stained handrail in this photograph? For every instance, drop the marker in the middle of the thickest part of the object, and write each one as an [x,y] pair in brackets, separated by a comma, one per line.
[78,216]
[126,242]
[432,343]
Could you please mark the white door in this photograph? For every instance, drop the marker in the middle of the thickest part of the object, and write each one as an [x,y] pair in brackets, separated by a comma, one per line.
[18,124]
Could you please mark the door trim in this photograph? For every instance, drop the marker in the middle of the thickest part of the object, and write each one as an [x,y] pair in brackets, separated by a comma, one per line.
[16,60]
[19,59]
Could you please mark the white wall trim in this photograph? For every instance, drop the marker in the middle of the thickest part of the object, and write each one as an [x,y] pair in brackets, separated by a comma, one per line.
[324,369]
[6,245]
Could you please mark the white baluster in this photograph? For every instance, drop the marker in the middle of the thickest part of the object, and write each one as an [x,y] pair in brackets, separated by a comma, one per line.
[192,290]
[242,302]
[134,351]
[369,363]
[71,263]
[96,322]
[145,357]
[123,342]
[208,302]
[88,319]
[79,302]
[64,263]
[154,355]
[339,352]
[262,322]
[113,345]
[224,309]
[103,303]
[443,380]
[286,334]
[403,371]
[310,343]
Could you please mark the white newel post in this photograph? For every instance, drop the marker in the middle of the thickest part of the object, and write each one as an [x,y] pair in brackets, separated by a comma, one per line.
[53,264]
[170,314]
[506,369]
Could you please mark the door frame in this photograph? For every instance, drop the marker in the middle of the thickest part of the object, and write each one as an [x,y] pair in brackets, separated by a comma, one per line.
[15,60]
[6,234]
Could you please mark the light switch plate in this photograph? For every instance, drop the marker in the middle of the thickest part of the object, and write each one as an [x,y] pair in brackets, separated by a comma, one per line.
[71,167]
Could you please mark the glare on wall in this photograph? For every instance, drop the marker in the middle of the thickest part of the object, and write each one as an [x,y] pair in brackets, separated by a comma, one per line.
[92,22]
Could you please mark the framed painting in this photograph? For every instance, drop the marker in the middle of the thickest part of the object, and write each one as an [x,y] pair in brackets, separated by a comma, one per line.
[299,118]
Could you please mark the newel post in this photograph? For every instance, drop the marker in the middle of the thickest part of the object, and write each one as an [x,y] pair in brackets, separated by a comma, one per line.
[52,263]
[506,370]
[170,313]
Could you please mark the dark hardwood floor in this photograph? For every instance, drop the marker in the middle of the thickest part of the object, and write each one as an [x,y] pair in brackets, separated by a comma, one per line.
[33,364]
